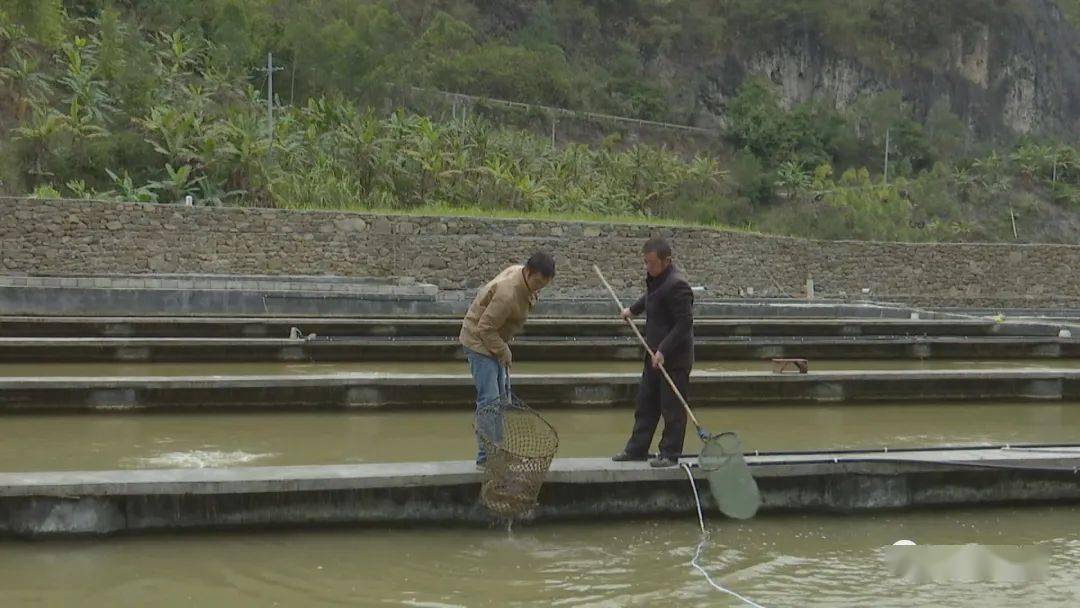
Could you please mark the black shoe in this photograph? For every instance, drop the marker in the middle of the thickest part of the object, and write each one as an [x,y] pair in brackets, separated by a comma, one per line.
[625,456]
[661,462]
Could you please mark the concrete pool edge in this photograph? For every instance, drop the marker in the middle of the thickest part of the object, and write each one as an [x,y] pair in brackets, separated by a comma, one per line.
[100,503]
[149,350]
[431,326]
[404,391]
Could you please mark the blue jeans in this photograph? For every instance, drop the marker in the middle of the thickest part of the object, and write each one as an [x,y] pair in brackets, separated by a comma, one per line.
[492,383]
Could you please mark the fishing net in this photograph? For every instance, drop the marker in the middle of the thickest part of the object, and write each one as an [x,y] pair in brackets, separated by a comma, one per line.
[519,445]
[730,482]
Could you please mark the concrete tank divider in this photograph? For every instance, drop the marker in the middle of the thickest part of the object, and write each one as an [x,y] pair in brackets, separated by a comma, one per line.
[614,348]
[96,503]
[374,390]
[430,326]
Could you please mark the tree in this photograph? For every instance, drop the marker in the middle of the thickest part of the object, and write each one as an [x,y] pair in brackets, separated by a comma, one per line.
[755,120]
[947,133]
[887,116]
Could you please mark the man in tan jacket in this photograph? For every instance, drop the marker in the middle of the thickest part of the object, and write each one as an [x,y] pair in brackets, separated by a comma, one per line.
[496,315]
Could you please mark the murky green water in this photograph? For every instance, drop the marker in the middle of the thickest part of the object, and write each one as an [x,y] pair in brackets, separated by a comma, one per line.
[36,442]
[529,367]
[778,562]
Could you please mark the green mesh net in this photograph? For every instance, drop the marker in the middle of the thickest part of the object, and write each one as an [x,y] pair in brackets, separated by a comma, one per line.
[730,482]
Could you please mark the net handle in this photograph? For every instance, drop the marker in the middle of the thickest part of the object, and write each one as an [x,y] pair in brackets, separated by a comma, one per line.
[645,344]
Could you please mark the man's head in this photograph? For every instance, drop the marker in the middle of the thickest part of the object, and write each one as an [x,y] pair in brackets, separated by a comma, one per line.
[539,270]
[657,256]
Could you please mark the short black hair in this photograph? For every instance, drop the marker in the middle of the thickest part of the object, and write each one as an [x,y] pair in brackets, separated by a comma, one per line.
[543,263]
[659,246]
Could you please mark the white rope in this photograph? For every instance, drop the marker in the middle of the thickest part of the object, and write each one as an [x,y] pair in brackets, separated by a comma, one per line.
[705,539]
[697,500]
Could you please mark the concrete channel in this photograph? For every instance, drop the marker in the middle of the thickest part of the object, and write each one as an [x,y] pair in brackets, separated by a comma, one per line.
[80,442]
[84,503]
[365,391]
[59,504]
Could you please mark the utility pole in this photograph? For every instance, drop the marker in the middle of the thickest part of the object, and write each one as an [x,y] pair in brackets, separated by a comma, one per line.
[270,69]
[887,132]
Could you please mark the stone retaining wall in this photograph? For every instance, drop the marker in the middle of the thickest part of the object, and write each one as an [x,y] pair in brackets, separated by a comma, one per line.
[403,287]
[461,253]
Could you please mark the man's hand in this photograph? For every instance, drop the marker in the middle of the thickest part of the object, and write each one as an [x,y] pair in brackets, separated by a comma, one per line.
[626,314]
[657,359]
[507,360]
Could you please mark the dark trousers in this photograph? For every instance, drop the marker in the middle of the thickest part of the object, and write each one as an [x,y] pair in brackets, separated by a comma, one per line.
[654,400]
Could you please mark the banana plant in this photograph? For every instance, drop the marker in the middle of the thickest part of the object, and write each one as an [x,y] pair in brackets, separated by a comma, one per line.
[89,103]
[991,170]
[24,80]
[9,30]
[178,183]
[1031,160]
[210,194]
[177,53]
[527,193]
[43,127]
[965,179]
[792,178]
[127,190]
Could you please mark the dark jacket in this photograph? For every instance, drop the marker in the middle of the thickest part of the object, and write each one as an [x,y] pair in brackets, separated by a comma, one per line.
[669,317]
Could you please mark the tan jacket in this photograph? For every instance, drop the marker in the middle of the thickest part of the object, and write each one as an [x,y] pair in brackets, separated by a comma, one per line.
[497,314]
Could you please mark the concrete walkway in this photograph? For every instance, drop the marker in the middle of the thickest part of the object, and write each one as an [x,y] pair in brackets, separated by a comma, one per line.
[374,390]
[106,502]
[614,348]
[449,326]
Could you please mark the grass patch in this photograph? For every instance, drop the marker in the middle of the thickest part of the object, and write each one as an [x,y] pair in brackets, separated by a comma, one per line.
[444,210]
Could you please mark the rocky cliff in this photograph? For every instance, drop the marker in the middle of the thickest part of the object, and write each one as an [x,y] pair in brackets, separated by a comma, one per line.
[1003,72]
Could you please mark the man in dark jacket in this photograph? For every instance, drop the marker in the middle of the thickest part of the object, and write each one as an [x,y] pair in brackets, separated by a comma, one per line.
[668,305]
